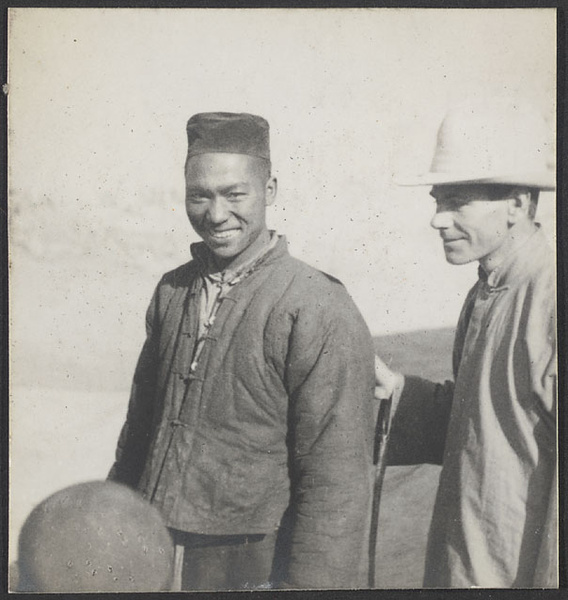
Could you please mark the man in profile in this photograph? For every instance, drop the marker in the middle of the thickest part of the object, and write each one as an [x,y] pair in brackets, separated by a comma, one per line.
[493,429]
[250,418]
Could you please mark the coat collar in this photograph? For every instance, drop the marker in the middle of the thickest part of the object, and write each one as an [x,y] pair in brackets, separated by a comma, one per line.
[276,248]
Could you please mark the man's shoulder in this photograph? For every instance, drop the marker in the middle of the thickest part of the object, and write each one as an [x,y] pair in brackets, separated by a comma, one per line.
[307,275]
[538,266]
[319,303]
[181,276]
[532,281]
[312,290]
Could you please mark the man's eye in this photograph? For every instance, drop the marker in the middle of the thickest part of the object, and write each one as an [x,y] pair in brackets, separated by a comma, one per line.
[196,199]
[235,195]
[459,204]
[451,204]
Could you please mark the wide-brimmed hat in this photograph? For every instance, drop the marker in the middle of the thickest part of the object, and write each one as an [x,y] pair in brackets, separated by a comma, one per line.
[494,142]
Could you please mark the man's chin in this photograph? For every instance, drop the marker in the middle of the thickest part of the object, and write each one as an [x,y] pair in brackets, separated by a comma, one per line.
[224,254]
[454,259]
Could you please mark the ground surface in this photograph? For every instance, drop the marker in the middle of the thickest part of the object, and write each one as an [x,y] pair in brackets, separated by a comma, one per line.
[64,436]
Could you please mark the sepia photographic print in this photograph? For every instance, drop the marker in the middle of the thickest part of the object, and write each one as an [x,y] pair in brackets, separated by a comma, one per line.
[217,219]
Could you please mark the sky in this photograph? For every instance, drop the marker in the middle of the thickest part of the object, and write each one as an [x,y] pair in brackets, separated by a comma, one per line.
[99,98]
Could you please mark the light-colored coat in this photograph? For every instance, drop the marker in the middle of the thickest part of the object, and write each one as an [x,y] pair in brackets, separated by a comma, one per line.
[494,432]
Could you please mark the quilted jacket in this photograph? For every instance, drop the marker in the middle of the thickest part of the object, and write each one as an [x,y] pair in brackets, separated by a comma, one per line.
[276,417]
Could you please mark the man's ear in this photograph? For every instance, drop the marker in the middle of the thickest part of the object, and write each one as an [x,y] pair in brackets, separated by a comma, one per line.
[270,191]
[518,205]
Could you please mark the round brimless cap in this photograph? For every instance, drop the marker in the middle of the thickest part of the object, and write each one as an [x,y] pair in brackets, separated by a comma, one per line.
[500,141]
[234,133]
[97,536]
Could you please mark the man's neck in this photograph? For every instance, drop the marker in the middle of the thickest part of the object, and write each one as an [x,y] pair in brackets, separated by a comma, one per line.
[517,236]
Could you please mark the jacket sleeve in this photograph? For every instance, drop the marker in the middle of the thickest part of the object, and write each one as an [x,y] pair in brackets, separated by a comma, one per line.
[420,422]
[546,568]
[421,412]
[330,381]
[541,356]
[135,436]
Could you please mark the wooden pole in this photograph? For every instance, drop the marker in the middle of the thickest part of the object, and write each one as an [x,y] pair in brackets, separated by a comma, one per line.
[380,462]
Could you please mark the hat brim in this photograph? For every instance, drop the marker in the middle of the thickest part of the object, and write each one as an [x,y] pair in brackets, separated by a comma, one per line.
[542,180]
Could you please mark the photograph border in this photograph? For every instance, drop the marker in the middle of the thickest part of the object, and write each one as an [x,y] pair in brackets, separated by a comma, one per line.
[562,296]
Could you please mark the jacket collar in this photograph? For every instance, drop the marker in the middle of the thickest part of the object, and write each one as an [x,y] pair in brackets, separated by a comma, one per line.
[276,248]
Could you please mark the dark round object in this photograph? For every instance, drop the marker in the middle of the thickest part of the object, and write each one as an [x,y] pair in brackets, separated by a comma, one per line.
[98,536]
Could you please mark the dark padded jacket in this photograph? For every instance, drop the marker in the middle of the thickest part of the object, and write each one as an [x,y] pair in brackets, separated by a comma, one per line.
[277,415]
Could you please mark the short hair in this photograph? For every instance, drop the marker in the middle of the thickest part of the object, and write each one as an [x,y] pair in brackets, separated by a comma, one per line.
[496,191]
[264,167]
[533,205]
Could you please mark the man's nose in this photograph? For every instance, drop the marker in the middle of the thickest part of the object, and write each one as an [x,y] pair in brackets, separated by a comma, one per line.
[442,219]
[217,211]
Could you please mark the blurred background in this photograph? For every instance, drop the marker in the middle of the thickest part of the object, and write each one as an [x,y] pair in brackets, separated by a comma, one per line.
[98,101]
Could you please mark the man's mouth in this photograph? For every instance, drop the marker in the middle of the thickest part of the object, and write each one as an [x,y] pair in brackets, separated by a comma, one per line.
[223,234]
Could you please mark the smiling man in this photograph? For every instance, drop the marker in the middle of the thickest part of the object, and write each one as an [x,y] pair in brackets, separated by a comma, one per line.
[249,424]
[493,430]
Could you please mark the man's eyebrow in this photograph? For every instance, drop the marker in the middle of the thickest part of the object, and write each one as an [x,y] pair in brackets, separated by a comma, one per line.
[195,189]
[451,196]
[232,186]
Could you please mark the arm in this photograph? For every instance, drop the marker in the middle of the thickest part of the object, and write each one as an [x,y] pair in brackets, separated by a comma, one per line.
[329,378]
[135,436]
[420,423]
[421,408]
[546,569]
[421,412]
[541,354]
